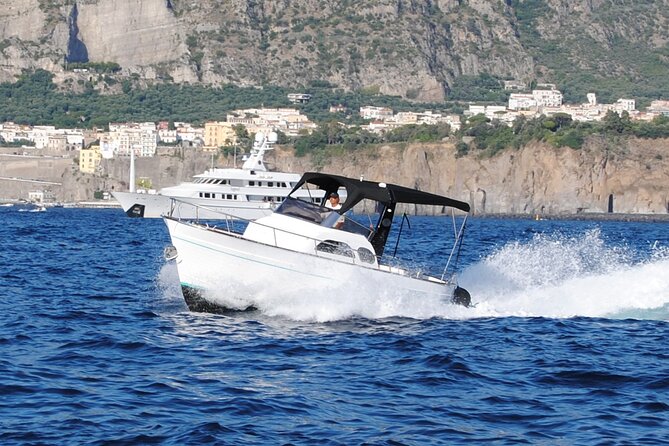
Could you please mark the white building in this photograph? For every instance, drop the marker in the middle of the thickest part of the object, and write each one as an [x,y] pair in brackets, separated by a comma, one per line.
[40,135]
[41,196]
[382,113]
[12,132]
[299,98]
[627,105]
[167,136]
[521,101]
[514,85]
[142,138]
[288,120]
[659,107]
[547,98]
[491,112]
[475,110]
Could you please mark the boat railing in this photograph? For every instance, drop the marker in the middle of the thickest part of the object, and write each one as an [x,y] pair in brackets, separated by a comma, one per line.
[227,218]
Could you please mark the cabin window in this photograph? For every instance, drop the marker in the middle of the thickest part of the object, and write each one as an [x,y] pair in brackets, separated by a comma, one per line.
[207,195]
[366,255]
[270,184]
[252,183]
[335,247]
[200,194]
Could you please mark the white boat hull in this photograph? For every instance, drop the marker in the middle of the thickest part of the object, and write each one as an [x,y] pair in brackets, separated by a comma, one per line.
[156,205]
[222,271]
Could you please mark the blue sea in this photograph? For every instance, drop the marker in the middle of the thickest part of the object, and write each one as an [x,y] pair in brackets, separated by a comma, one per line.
[567,344]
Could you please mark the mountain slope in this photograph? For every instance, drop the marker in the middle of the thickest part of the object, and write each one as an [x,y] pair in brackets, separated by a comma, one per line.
[413,48]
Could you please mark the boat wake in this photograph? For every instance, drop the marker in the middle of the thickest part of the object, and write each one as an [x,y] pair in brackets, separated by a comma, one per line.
[548,276]
[557,276]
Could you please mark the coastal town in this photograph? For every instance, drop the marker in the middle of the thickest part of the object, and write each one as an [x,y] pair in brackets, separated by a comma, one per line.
[143,139]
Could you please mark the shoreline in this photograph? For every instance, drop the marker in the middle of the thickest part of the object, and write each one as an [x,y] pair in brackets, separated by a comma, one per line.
[589,216]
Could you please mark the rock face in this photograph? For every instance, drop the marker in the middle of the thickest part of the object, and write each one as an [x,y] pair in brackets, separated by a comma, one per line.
[537,179]
[130,32]
[415,49]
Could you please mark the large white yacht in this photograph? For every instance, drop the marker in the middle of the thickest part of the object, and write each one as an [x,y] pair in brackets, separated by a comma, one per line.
[247,193]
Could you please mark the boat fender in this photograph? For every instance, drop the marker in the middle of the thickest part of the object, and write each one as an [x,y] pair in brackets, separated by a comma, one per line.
[461,297]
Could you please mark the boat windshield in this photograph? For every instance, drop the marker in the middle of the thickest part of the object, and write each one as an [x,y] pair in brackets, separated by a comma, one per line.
[305,210]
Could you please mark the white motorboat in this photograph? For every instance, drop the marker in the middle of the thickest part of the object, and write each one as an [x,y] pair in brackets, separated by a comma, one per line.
[30,206]
[297,248]
[247,193]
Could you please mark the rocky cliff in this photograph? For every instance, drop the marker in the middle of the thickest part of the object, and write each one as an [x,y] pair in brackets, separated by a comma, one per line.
[412,48]
[537,179]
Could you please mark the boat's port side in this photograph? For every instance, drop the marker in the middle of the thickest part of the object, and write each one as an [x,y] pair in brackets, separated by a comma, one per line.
[199,304]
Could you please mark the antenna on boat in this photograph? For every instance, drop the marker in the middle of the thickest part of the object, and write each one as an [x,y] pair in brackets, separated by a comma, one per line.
[404,217]
[261,144]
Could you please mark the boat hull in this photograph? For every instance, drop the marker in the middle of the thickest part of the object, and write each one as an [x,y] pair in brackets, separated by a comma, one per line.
[140,205]
[220,271]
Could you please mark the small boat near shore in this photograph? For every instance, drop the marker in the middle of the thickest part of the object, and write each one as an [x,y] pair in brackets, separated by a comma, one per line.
[297,247]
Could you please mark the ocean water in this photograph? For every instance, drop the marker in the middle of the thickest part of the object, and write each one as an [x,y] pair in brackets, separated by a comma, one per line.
[567,344]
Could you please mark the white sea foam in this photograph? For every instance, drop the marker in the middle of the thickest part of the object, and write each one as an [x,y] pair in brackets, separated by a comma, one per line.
[167,282]
[555,276]
[548,276]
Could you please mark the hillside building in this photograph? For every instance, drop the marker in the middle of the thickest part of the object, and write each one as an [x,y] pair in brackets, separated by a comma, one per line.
[218,134]
[140,137]
[376,113]
[89,159]
[299,98]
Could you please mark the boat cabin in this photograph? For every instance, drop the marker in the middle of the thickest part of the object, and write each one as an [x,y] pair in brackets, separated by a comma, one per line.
[300,224]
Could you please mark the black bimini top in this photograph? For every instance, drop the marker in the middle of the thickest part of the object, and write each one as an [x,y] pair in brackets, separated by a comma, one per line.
[388,194]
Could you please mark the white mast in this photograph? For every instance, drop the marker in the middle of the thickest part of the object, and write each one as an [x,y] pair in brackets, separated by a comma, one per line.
[132,169]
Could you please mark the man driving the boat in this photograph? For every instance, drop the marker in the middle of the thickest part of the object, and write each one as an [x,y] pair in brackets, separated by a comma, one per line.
[334,204]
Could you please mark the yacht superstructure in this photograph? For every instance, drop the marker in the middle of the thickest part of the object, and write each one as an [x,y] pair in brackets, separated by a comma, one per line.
[249,192]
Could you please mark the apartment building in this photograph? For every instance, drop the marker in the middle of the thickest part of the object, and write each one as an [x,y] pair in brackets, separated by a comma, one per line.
[288,120]
[381,113]
[217,134]
[140,137]
[89,159]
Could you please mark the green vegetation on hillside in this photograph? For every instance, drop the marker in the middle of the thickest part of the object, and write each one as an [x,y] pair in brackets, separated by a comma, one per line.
[626,64]
[35,100]
[558,130]
[333,136]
